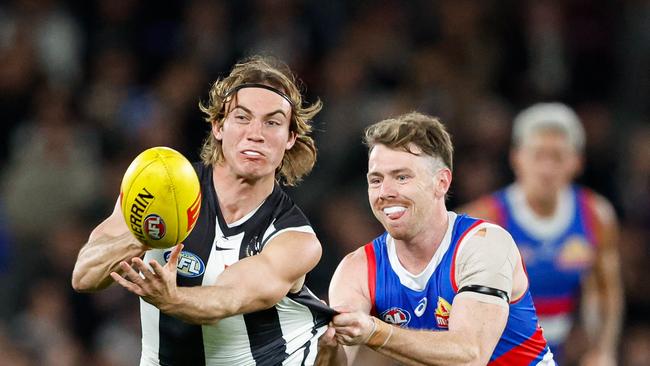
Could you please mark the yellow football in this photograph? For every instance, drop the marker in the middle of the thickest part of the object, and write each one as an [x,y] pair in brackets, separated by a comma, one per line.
[160,197]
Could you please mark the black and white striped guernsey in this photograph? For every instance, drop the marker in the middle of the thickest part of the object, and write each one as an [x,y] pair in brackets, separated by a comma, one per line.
[286,334]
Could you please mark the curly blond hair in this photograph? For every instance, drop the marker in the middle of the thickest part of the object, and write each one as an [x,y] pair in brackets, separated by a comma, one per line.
[297,161]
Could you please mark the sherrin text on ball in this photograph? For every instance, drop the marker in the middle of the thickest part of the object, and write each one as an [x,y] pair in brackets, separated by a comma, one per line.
[160,197]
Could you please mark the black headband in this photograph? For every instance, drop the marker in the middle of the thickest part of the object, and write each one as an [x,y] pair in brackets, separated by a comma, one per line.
[258,85]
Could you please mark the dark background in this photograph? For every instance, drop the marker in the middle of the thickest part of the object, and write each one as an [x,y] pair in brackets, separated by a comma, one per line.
[86,85]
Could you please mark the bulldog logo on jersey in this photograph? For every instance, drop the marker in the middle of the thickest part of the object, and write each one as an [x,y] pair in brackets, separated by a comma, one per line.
[442,313]
[189,264]
[396,316]
[576,254]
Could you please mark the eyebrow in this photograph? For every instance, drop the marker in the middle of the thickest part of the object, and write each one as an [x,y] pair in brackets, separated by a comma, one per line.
[277,111]
[392,172]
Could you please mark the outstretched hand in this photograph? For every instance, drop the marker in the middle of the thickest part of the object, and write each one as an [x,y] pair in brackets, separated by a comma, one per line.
[155,284]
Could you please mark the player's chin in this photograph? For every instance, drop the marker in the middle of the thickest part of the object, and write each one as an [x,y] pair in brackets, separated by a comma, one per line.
[398,234]
[396,230]
[255,170]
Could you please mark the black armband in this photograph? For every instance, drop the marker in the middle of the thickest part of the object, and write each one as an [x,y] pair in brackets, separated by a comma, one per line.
[486,290]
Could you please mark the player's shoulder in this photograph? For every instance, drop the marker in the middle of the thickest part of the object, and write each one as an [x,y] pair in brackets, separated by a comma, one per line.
[597,205]
[356,260]
[491,232]
[350,280]
[487,241]
[284,210]
[485,207]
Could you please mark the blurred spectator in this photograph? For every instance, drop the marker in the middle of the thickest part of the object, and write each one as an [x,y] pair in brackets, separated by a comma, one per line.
[53,34]
[85,86]
[206,31]
[42,327]
[545,29]
[274,28]
[5,243]
[52,169]
[635,179]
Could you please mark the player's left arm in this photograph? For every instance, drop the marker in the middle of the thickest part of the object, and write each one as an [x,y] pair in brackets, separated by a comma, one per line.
[474,330]
[477,318]
[251,284]
[603,290]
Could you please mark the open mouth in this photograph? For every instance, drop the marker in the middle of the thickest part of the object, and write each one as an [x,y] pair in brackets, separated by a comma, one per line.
[252,153]
[394,212]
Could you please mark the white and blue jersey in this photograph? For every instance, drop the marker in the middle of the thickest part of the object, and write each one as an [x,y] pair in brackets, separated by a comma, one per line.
[558,252]
[424,301]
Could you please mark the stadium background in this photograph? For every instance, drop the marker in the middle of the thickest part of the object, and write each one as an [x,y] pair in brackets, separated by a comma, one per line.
[86,85]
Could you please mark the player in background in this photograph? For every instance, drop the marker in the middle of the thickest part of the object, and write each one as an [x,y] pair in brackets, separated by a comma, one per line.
[436,288]
[566,233]
[237,294]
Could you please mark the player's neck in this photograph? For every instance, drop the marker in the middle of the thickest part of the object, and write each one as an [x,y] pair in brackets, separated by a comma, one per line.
[238,196]
[542,206]
[416,253]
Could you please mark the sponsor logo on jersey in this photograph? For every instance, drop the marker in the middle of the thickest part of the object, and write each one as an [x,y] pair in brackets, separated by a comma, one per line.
[422,306]
[138,208]
[396,316]
[189,264]
[442,313]
[154,227]
[193,212]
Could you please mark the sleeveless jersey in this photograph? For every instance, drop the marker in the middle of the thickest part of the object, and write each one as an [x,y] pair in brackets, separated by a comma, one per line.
[557,258]
[428,305]
[285,334]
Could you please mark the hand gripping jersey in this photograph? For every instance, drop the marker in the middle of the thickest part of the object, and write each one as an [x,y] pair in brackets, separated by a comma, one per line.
[558,252]
[285,334]
[425,301]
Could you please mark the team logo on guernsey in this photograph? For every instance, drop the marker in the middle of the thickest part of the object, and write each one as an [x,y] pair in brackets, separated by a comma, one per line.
[154,227]
[189,264]
[396,316]
[442,313]
[576,253]
[254,247]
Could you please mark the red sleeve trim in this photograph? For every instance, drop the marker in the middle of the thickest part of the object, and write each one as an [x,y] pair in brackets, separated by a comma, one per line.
[372,273]
[498,211]
[454,285]
[587,206]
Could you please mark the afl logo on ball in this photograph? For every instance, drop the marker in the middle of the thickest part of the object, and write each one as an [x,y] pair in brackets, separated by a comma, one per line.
[154,227]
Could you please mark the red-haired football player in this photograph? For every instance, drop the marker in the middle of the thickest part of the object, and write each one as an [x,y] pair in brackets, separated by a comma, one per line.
[436,288]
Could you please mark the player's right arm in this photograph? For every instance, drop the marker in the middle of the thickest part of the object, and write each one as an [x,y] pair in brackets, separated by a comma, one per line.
[109,243]
[349,291]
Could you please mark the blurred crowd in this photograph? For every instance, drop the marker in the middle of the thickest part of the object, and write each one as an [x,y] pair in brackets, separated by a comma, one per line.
[86,85]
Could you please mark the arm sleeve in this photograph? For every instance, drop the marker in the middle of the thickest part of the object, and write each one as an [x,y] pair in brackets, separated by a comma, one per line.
[487,258]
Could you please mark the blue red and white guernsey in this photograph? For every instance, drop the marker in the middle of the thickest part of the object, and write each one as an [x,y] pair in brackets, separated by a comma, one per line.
[424,301]
[558,252]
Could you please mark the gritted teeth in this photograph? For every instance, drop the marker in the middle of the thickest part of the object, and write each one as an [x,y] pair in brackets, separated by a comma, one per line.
[251,153]
[393,209]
